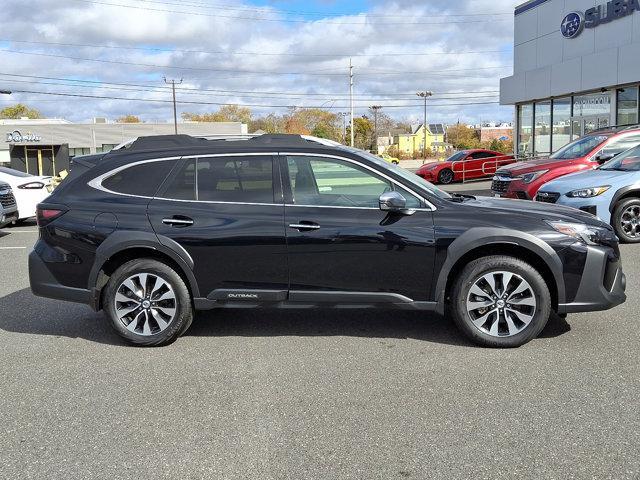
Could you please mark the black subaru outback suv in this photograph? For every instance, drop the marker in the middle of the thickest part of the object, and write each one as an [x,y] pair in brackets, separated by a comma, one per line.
[167,225]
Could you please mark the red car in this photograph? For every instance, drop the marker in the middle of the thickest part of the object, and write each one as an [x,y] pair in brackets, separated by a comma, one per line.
[464,165]
[524,179]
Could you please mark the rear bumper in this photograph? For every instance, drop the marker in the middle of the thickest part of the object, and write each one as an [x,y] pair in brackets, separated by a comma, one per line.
[43,284]
[602,285]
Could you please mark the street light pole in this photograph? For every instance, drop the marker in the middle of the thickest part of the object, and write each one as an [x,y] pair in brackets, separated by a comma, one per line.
[344,126]
[351,100]
[426,94]
[375,109]
[173,90]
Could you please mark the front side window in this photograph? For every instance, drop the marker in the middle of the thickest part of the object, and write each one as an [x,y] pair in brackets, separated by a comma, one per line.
[338,183]
[621,143]
[627,161]
[579,148]
[223,179]
[140,180]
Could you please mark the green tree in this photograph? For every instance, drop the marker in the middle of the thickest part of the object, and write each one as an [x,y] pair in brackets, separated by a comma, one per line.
[362,133]
[19,111]
[462,137]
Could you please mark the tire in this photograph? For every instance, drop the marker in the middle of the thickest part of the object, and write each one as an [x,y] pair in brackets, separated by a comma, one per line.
[445,176]
[627,210]
[395,162]
[523,326]
[173,312]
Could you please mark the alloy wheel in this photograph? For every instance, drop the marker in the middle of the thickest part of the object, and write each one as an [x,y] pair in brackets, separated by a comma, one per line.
[145,303]
[630,221]
[501,304]
[446,176]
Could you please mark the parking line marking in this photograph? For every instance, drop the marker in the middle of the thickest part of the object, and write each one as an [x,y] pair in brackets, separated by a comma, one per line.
[13,248]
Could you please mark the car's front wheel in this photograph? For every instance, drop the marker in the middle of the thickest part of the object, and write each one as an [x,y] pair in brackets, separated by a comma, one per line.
[148,303]
[500,301]
[445,176]
[626,220]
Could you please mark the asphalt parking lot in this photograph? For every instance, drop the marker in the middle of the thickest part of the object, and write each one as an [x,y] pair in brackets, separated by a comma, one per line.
[300,394]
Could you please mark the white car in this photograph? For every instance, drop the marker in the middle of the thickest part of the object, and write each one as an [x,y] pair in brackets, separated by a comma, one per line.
[29,190]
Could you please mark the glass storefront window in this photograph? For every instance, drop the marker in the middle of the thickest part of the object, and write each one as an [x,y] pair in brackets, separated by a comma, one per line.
[542,134]
[627,106]
[525,129]
[561,129]
[592,104]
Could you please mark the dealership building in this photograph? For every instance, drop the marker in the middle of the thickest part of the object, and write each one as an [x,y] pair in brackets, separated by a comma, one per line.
[44,146]
[576,68]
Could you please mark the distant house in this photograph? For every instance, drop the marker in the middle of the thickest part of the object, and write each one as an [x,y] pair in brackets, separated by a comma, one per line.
[411,144]
[503,132]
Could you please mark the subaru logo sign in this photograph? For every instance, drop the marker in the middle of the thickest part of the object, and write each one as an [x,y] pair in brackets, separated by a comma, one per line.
[572,25]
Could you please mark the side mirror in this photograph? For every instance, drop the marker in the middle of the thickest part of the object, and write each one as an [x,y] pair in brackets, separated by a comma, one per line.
[394,202]
[604,157]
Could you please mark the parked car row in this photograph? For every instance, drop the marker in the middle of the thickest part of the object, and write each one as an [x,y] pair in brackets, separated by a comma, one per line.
[22,193]
[598,173]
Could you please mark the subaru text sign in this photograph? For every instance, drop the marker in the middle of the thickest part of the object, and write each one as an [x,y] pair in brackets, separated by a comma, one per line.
[574,22]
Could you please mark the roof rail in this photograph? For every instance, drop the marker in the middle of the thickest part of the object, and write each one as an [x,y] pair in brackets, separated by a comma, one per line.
[619,128]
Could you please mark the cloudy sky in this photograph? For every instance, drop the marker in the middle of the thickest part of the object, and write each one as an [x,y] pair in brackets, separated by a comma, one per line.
[268,54]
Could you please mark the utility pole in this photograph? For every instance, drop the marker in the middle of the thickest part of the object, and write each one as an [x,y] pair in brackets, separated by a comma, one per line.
[375,109]
[344,126]
[426,94]
[351,98]
[172,82]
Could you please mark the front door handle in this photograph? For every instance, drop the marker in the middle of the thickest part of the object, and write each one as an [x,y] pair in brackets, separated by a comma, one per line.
[304,226]
[178,221]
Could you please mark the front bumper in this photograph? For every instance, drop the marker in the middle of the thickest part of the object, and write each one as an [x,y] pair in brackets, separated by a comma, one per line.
[602,285]
[598,206]
[8,217]
[44,284]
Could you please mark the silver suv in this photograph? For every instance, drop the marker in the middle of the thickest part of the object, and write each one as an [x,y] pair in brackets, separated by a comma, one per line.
[8,205]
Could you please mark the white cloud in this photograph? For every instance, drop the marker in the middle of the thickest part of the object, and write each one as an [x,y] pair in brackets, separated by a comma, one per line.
[82,22]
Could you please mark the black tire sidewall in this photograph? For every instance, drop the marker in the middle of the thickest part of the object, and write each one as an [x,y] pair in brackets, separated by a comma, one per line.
[184,314]
[470,274]
[617,219]
[450,178]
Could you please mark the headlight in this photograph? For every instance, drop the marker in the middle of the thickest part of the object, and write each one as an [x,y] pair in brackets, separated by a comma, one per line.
[588,234]
[588,192]
[530,177]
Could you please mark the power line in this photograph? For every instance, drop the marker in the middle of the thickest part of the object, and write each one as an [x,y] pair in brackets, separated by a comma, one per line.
[242,72]
[222,52]
[302,13]
[187,102]
[287,20]
[266,93]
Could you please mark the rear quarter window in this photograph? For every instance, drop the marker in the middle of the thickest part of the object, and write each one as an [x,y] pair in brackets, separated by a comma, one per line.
[141,180]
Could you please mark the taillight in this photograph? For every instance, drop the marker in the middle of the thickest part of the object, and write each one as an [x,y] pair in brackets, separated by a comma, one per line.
[47,215]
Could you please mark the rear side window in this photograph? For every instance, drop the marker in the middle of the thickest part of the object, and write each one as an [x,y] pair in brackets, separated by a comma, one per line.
[141,180]
[622,143]
[223,179]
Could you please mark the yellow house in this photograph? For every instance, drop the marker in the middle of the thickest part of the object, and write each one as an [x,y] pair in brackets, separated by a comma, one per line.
[412,143]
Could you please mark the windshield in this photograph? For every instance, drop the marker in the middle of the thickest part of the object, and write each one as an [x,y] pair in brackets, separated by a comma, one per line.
[626,161]
[580,147]
[456,156]
[412,178]
[15,173]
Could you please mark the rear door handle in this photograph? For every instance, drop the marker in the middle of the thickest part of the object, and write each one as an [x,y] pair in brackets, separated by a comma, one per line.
[178,221]
[303,226]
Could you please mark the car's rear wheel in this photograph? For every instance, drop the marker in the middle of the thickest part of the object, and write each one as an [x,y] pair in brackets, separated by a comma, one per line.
[500,301]
[626,220]
[148,303]
[445,176]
